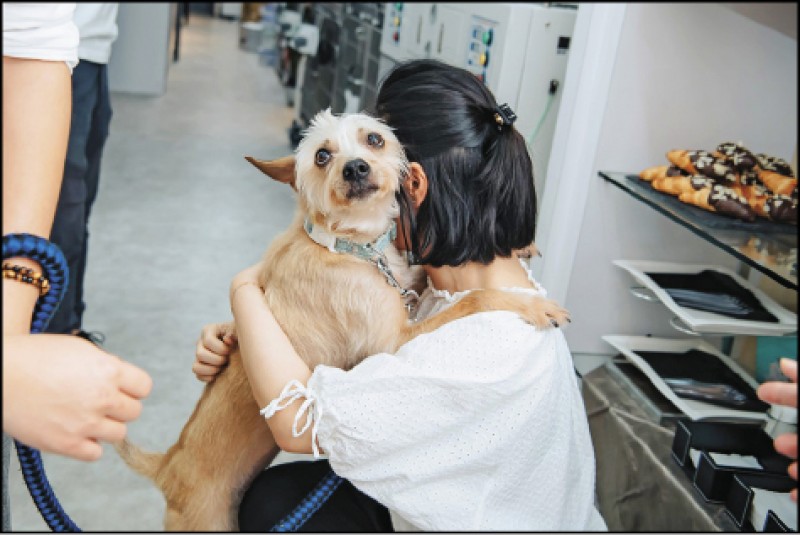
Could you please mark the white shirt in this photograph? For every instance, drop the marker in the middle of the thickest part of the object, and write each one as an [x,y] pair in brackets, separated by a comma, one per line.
[477,426]
[97,25]
[42,31]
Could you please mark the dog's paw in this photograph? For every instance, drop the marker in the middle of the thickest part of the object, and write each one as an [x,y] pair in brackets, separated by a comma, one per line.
[545,313]
[528,252]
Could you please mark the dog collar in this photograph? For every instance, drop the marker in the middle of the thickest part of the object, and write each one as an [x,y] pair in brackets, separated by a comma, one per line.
[365,251]
[372,252]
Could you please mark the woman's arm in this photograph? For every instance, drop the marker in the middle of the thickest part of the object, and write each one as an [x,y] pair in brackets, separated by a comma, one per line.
[37,105]
[61,394]
[269,358]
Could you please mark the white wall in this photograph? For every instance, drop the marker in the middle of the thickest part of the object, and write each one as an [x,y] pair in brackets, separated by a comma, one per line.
[686,76]
[142,53]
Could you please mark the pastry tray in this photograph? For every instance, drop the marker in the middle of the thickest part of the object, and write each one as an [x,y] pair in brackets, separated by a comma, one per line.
[694,409]
[703,322]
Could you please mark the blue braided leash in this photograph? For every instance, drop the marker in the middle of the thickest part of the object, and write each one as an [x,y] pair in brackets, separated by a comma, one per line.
[54,268]
[310,504]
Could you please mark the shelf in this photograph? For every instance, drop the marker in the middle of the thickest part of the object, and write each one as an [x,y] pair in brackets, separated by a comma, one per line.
[769,247]
[632,346]
[701,322]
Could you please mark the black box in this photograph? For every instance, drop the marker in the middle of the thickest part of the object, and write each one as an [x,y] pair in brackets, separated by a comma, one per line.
[720,437]
[740,499]
[713,481]
[775,524]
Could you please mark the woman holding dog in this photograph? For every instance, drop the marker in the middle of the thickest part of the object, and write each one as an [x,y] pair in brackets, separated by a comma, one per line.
[479,425]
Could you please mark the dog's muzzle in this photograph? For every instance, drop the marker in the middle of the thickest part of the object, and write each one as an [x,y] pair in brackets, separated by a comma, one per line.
[356,175]
[356,170]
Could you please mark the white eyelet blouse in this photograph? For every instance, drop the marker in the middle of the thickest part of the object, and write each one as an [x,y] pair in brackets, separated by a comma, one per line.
[477,426]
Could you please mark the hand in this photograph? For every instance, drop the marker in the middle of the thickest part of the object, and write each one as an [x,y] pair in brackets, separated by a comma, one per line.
[64,395]
[247,276]
[782,393]
[214,347]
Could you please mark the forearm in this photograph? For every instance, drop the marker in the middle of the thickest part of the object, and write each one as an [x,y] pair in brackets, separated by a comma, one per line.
[270,362]
[37,101]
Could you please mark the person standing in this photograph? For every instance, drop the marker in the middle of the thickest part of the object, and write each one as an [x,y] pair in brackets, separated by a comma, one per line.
[61,394]
[91,116]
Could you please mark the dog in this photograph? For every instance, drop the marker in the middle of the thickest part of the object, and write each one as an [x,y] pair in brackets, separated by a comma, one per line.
[346,171]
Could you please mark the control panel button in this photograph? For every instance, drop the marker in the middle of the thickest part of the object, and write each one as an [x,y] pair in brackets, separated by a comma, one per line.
[483,59]
[396,36]
[487,37]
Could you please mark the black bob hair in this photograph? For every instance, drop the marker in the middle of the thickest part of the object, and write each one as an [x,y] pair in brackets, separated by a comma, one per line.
[481,201]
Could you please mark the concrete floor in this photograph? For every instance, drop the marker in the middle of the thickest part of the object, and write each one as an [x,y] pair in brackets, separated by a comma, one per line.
[179,212]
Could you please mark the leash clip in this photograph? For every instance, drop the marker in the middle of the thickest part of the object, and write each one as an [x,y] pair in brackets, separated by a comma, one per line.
[409,296]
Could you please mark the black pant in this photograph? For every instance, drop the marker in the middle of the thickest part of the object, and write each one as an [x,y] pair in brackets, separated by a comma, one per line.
[91,115]
[279,489]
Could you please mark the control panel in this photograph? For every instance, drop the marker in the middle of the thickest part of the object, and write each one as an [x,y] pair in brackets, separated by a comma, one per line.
[479,46]
[394,22]
[519,50]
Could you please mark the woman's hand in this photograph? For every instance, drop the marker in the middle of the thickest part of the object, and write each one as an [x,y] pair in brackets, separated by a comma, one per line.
[64,395]
[214,347]
[784,394]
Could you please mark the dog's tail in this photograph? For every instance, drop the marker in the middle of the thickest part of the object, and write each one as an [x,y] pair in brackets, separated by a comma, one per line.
[142,462]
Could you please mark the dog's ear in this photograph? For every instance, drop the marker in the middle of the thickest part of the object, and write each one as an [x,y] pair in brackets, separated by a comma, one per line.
[281,169]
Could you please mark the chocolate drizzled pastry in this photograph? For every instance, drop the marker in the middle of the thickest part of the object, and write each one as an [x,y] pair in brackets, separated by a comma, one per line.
[711,166]
[673,170]
[726,201]
[699,182]
[781,208]
[765,203]
[739,157]
[773,163]
[730,181]
[750,178]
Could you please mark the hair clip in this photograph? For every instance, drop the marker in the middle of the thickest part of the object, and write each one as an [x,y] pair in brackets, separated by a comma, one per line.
[503,116]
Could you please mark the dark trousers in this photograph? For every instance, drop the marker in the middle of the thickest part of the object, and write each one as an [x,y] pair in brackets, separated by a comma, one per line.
[277,491]
[91,115]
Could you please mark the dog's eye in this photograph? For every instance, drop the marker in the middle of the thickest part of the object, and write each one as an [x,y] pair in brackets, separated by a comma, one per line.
[374,140]
[323,157]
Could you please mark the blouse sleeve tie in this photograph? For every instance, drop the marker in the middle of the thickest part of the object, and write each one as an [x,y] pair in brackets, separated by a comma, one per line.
[293,391]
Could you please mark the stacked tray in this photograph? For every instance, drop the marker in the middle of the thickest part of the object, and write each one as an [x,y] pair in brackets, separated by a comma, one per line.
[718,387]
[711,299]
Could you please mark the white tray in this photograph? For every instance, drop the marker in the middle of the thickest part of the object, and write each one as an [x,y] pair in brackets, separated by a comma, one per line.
[701,321]
[696,410]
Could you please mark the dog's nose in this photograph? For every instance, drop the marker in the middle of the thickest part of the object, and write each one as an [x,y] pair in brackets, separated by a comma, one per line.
[355,170]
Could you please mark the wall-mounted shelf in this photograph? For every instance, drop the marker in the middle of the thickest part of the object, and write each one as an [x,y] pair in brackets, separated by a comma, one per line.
[769,247]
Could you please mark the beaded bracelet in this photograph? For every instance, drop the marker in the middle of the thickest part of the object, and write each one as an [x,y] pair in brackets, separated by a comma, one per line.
[27,275]
[54,268]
